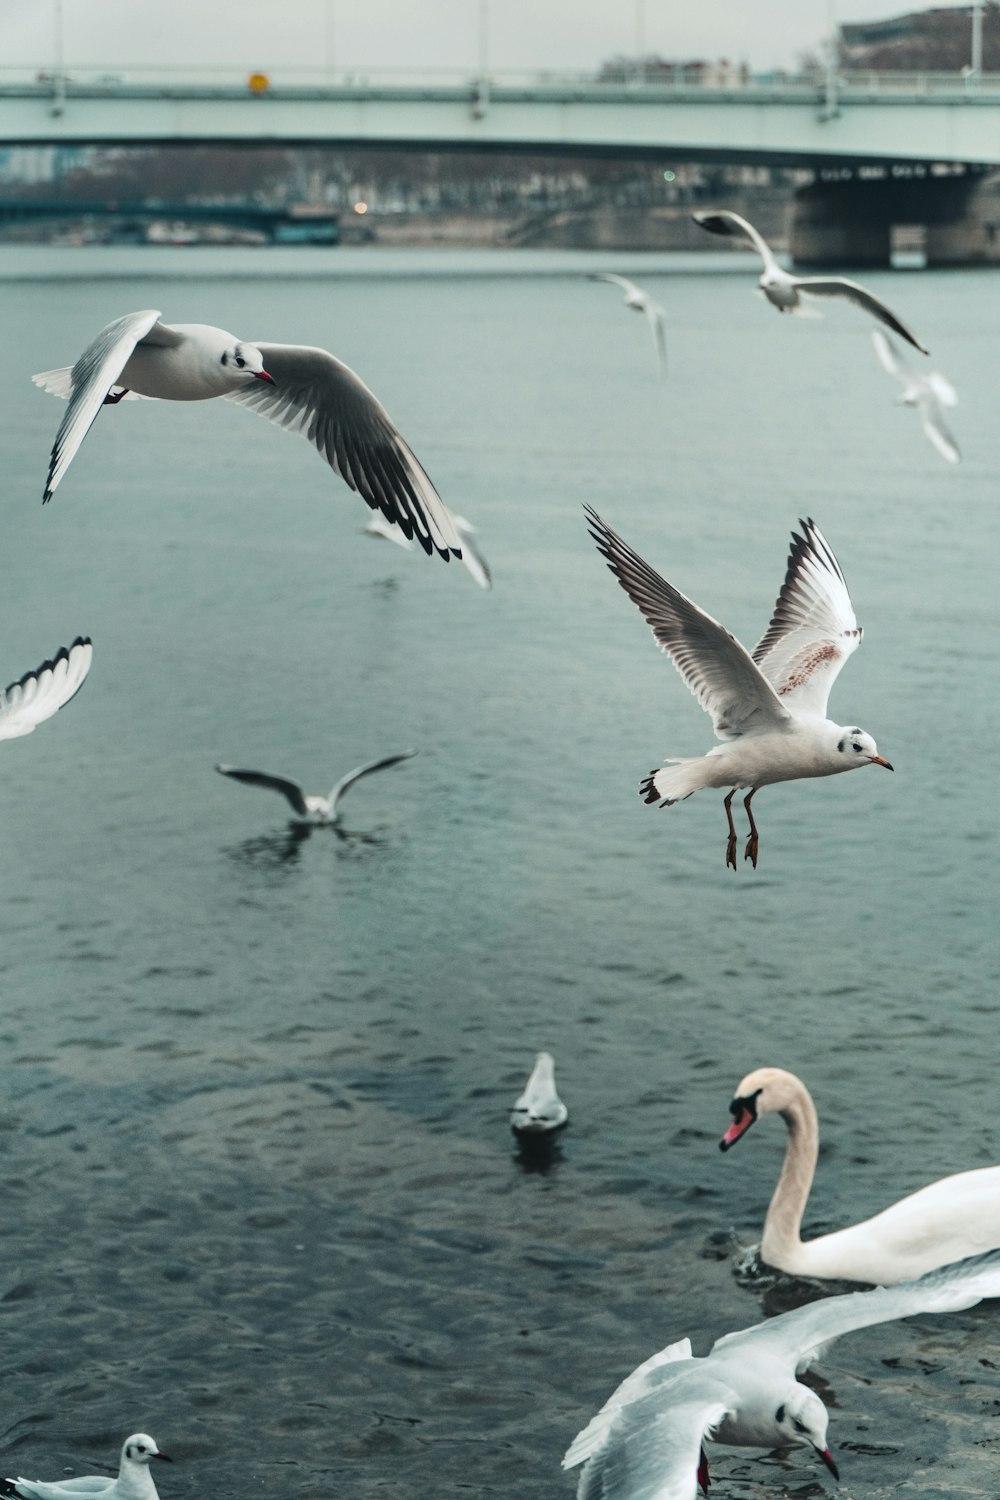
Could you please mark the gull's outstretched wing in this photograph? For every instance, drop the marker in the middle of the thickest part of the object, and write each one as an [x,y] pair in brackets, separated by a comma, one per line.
[63,1489]
[657,322]
[91,378]
[37,695]
[813,629]
[934,425]
[717,669]
[801,1335]
[320,397]
[473,559]
[839,286]
[724,221]
[628,287]
[338,790]
[890,357]
[280,784]
[377,525]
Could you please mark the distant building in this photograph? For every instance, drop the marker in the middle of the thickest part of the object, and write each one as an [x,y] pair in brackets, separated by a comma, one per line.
[927,41]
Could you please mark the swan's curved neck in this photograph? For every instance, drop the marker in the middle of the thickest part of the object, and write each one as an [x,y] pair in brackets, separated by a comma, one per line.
[784,1215]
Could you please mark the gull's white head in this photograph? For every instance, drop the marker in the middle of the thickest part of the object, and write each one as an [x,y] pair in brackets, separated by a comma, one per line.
[140,1448]
[245,361]
[855,748]
[802,1418]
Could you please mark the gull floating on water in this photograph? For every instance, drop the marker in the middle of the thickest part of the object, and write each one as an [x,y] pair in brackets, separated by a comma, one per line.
[645,1442]
[134,1481]
[473,559]
[37,695]
[785,291]
[312,808]
[641,301]
[539,1109]
[302,389]
[928,393]
[769,709]
[956,1217]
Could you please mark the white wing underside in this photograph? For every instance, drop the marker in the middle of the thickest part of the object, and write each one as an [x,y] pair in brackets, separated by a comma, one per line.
[717,669]
[340,787]
[38,695]
[813,628]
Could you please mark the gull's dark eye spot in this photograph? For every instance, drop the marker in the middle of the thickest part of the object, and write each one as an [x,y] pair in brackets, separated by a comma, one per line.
[779,1415]
[857,747]
[224,360]
[840,747]
[240,362]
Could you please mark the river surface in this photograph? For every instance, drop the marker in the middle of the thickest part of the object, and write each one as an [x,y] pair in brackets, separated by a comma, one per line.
[260,1197]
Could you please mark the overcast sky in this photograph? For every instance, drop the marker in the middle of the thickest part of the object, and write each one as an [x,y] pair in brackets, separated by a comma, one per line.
[358,34]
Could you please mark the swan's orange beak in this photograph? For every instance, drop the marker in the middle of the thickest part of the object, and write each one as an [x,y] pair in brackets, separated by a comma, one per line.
[825,1453]
[743,1118]
[877,760]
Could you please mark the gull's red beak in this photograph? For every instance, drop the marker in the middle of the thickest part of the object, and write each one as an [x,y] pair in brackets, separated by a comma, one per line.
[263,375]
[743,1118]
[877,760]
[825,1453]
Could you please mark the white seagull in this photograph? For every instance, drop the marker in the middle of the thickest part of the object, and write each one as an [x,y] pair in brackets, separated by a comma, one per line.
[928,393]
[134,1481]
[312,808]
[645,1442]
[769,709]
[950,1219]
[785,291]
[539,1109]
[641,301]
[37,695]
[473,559]
[302,389]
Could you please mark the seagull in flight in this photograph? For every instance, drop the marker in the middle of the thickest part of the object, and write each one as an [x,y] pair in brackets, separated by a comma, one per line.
[134,1481]
[475,562]
[302,389]
[641,301]
[312,808]
[785,291]
[768,708]
[37,695]
[539,1110]
[928,393]
[646,1442]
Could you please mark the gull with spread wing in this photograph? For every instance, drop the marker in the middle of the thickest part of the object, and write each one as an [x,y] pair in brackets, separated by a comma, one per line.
[475,562]
[309,807]
[134,1481]
[302,389]
[768,709]
[785,291]
[928,393]
[641,301]
[37,695]
[645,1442]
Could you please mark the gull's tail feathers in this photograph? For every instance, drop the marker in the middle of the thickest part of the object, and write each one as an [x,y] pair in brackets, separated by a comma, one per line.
[675,781]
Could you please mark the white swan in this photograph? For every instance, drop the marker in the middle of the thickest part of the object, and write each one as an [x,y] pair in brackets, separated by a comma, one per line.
[134,1481]
[947,1221]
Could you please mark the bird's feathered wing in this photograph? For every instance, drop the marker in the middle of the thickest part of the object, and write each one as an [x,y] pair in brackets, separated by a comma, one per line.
[813,628]
[37,695]
[717,669]
[319,397]
[90,380]
[340,787]
[839,286]
[724,221]
[934,425]
[290,790]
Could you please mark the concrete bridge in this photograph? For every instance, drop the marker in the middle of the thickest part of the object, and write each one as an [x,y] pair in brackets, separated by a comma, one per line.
[921,130]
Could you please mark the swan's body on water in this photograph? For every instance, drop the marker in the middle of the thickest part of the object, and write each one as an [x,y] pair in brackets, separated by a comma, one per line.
[133,1482]
[944,1222]
[641,301]
[37,695]
[768,709]
[645,1442]
[302,389]
[929,394]
[539,1110]
[785,291]
[312,807]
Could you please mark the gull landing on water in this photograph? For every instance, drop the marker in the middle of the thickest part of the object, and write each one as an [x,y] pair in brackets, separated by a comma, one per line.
[646,1440]
[785,291]
[312,808]
[37,695]
[641,301]
[302,389]
[134,1481]
[539,1110]
[769,709]
[928,393]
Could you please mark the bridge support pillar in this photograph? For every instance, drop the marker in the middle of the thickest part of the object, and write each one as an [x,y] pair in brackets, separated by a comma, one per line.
[861,221]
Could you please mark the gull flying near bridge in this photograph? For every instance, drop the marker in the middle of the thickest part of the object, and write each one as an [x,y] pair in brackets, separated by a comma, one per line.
[641,301]
[928,393]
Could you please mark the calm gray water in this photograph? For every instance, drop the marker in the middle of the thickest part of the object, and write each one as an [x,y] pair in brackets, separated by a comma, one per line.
[260,1196]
